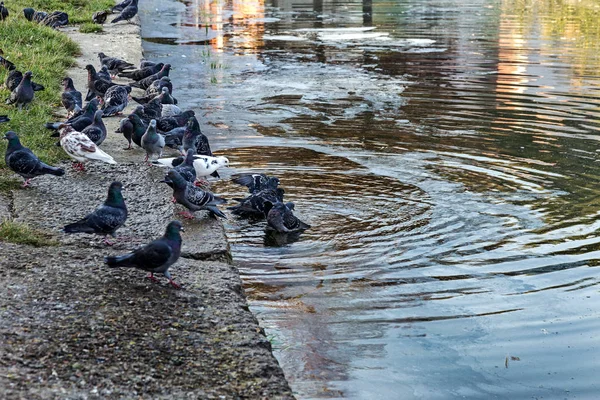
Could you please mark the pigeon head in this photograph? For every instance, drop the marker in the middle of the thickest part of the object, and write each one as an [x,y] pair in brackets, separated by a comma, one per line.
[104,68]
[115,197]
[165,90]
[152,124]
[90,68]
[101,55]
[65,129]
[290,206]
[173,230]
[176,178]
[28,75]
[67,82]
[12,138]
[223,161]
[92,105]
[189,157]
[98,115]
[28,13]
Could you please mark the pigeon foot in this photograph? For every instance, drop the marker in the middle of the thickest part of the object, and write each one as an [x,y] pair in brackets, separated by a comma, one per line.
[152,277]
[187,215]
[175,285]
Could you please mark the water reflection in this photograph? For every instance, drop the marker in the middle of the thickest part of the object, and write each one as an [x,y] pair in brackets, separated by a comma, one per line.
[445,153]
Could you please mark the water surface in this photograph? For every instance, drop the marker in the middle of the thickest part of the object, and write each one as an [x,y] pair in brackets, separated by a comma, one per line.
[445,154]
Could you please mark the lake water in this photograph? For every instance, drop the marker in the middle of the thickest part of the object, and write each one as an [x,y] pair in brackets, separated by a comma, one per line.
[446,154]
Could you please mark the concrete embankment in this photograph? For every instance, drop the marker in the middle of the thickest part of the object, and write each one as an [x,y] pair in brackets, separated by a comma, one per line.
[72,328]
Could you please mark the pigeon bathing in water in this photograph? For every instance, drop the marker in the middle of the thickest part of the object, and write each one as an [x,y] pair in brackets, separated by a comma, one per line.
[71,99]
[253,206]
[114,65]
[23,94]
[13,79]
[152,142]
[116,99]
[281,218]
[192,197]
[257,182]
[97,130]
[128,12]
[22,160]
[106,219]
[3,12]
[156,257]
[80,147]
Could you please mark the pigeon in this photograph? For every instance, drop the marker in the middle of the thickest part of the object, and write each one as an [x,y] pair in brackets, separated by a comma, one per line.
[106,219]
[22,160]
[119,7]
[128,12]
[56,19]
[34,16]
[153,109]
[152,142]
[204,165]
[96,86]
[114,65]
[195,139]
[256,182]
[96,131]
[81,121]
[139,74]
[155,257]
[139,129]
[23,94]
[170,110]
[281,218]
[104,74]
[146,63]
[126,128]
[166,124]
[70,98]
[13,79]
[192,197]
[146,82]
[4,118]
[116,99]
[5,63]
[80,147]
[254,205]
[155,88]
[165,96]
[3,12]
[99,17]
[186,167]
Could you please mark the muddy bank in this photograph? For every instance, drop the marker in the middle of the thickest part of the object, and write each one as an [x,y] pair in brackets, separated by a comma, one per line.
[72,328]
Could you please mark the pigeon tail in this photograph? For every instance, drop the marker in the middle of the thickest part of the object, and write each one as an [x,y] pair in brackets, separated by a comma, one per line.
[119,261]
[47,169]
[79,227]
[215,211]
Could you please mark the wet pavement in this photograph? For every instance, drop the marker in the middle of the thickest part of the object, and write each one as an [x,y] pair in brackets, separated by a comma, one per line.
[445,154]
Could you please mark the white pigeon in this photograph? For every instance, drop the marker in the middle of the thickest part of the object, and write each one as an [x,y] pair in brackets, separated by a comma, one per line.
[204,165]
[79,147]
[170,110]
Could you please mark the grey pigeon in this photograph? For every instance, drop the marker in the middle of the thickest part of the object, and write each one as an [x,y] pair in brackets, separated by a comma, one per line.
[186,167]
[155,257]
[23,94]
[146,63]
[174,138]
[119,7]
[128,12]
[256,182]
[106,219]
[13,79]
[139,74]
[81,121]
[4,118]
[22,160]
[155,87]
[281,218]
[195,139]
[192,197]
[70,98]
[99,17]
[146,82]
[96,85]
[3,12]
[152,142]
[114,65]
[116,99]
[97,130]
[254,205]
[104,74]
[165,96]
[126,128]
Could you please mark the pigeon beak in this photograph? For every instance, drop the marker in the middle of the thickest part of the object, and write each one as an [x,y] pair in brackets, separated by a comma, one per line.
[181,229]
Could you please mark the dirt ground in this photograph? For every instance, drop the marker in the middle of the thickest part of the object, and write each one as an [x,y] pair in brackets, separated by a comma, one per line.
[72,328]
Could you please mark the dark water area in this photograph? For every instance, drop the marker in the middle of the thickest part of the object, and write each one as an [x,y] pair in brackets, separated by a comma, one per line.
[446,155]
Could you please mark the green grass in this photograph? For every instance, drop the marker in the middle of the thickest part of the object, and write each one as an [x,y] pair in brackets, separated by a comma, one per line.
[90,27]
[19,233]
[48,53]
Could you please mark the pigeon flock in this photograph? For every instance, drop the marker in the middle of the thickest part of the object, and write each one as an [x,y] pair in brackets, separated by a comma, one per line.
[157,125]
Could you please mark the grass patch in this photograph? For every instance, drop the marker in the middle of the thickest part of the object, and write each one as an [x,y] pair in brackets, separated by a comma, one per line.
[90,27]
[16,232]
[9,181]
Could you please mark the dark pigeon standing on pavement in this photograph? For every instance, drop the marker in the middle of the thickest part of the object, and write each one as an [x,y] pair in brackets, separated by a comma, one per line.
[128,12]
[13,79]
[281,218]
[23,94]
[152,142]
[96,85]
[3,12]
[139,129]
[71,98]
[139,74]
[22,160]
[99,17]
[114,65]
[156,257]
[126,128]
[106,219]
[186,167]
[192,197]
[116,99]
[146,82]
[195,139]
[97,130]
